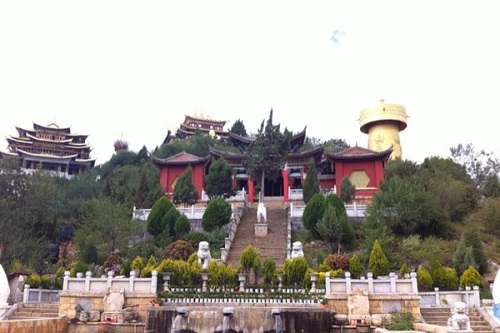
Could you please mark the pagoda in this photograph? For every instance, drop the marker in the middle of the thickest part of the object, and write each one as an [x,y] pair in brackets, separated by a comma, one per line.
[54,148]
[195,123]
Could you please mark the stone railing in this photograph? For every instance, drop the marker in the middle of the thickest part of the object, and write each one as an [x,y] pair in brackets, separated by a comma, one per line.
[354,210]
[37,295]
[446,299]
[192,213]
[99,284]
[371,286]
[231,229]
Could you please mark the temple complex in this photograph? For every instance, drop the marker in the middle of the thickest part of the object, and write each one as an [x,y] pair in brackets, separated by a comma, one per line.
[54,148]
[383,123]
[195,123]
[363,166]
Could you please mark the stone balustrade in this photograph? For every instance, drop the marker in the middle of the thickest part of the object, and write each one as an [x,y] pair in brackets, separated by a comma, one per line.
[437,298]
[371,286]
[91,284]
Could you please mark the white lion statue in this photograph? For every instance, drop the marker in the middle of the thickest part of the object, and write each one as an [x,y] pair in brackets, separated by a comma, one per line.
[261,213]
[203,253]
[297,250]
[459,320]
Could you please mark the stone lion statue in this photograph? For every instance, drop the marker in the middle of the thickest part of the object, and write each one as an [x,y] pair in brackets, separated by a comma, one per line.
[261,213]
[297,250]
[203,253]
[459,320]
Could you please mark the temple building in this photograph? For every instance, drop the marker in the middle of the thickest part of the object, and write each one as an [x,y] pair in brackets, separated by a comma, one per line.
[195,123]
[363,166]
[54,148]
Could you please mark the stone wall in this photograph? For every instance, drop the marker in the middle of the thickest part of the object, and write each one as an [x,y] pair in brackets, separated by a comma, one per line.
[56,325]
[94,302]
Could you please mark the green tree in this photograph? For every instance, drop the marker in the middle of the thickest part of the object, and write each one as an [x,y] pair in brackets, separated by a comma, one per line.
[184,191]
[268,271]
[378,263]
[216,215]
[239,128]
[406,209]
[266,156]
[182,226]
[334,146]
[313,212]
[424,279]
[329,229]
[480,165]
[471,278]
[463,257]
[355,267]
[158,211]
[472,238]
[219,183]
[347,190]
[248,259]
[311,184]
[108,225]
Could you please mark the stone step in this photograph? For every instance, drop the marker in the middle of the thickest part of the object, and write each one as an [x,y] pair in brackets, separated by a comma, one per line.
[35,310]
[272,246]
[440,316]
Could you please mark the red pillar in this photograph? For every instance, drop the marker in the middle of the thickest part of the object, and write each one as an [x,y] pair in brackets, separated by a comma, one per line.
[285,185]
[250,189]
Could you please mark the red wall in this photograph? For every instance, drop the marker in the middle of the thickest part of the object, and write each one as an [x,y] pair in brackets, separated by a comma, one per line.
[169,173]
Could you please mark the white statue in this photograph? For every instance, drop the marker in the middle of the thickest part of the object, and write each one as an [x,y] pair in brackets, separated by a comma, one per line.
[297,250]
[203,253]
[4,287]
[495,292]
[261,213]
[459,320]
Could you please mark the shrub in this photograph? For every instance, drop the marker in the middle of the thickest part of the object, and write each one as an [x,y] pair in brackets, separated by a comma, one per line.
[451,279]
[182,226]
[424,279]
[404,270]
[471,278]
[313,213]
[355,267]
[378,262]
[155,217]
[337,261]
[179,249]
[295,270]
[401,322]
[137,263]
[268,271]
[217,214]
[34,280]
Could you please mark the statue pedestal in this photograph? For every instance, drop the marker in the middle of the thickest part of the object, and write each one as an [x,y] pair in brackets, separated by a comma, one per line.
[112,317]
[451,330]
[260,229]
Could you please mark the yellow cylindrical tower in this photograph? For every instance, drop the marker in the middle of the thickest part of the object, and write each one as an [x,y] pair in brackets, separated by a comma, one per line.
[383,123]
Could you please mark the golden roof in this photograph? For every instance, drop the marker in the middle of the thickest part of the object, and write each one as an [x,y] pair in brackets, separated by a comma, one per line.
[382,112]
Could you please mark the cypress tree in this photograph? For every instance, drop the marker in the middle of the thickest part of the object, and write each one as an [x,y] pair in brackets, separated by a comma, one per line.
[311,184]
[378,263]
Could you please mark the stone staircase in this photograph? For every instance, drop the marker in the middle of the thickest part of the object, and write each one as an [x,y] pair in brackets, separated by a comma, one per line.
[439,316]
[273,246]
[35,311]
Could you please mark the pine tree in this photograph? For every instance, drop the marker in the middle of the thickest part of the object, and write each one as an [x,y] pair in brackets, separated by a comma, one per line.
[219,183]
[267,155]
[311,184]
[378,263]
[347,190]
[355,267]
[184,191]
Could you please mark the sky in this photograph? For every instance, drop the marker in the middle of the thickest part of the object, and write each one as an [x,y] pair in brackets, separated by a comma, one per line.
[131,70]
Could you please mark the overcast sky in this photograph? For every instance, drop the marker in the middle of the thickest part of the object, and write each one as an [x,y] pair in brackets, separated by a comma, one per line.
[132,70]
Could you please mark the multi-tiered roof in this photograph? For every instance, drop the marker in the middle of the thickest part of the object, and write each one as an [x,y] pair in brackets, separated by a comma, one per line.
[55,148]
